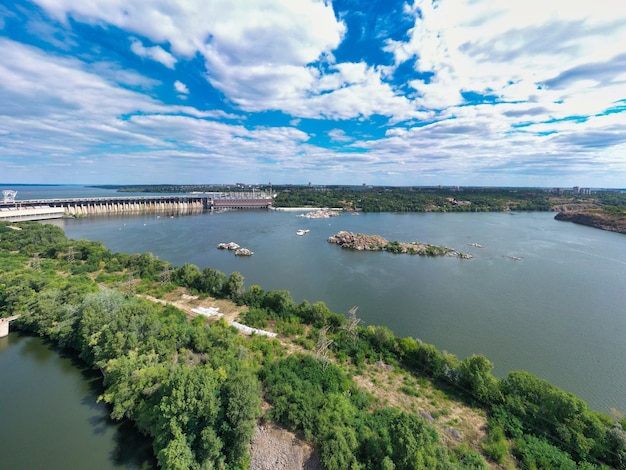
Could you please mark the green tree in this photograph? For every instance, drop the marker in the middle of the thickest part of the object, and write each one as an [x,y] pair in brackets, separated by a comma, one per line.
[234,288]
[477,380]
[242,404]
[187,275]
[279,301]
[254,297]
[190,404]
[211,281]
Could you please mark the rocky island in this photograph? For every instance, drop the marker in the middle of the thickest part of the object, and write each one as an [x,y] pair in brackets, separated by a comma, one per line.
[362,242]
[321,214]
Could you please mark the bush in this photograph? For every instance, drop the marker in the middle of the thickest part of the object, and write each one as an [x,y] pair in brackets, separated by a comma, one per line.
[255,317]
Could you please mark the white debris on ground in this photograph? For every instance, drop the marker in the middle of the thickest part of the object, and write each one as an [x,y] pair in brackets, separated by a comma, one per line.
[214,312]
[208,312]
[249,330]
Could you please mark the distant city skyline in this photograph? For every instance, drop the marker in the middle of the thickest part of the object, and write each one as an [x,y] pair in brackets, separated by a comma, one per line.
[398,93]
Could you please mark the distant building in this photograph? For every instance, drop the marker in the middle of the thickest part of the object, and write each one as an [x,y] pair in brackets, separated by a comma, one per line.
[454,202]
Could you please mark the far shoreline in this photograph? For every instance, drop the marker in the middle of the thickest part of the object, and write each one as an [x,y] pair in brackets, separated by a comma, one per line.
[309,209]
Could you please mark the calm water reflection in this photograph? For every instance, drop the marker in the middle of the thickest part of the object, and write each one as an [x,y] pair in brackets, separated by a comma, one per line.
[50,415]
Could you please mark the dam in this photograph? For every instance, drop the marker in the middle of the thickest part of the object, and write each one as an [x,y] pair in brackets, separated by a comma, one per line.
[40,209]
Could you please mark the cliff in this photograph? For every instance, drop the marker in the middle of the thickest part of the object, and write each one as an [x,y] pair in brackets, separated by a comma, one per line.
[596,219]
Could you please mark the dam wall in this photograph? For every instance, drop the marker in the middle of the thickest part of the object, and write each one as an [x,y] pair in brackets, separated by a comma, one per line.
[135,205]
[174,205]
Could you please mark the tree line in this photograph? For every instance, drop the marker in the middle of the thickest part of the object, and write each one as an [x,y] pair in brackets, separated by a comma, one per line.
[397,199]
[411,199]
[195,387]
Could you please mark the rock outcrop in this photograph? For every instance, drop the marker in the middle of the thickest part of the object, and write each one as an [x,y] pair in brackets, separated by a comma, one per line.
[362,242]
[228,246]
[358,241]
[321,214]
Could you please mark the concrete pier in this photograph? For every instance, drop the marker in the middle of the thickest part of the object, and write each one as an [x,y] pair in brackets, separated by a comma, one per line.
[16,214]
[4,325]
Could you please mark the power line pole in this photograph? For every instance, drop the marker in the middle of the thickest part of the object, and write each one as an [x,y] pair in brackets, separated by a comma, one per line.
[322,345]
[130,284]
[351,326]
[166,275]
[35,262]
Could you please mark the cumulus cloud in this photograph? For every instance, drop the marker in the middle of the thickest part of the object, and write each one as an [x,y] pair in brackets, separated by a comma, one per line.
[57,110]
[472,87]
[339,135]
[180,87]
[156,53]
[509,49]
[261,54]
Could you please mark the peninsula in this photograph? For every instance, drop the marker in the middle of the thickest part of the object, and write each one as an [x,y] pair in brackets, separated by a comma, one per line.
[603,218]
[362,242]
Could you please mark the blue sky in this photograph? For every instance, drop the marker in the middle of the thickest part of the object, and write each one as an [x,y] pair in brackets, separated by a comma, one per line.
[451,92]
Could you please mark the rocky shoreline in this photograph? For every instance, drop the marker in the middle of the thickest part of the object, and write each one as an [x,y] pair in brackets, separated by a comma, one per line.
[321,214]
[594,218]
[362,242]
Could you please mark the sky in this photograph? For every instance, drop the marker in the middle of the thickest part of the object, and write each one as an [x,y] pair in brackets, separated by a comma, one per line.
[377,92]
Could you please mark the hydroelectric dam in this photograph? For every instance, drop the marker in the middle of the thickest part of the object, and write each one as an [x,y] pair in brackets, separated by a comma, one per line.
[40,209]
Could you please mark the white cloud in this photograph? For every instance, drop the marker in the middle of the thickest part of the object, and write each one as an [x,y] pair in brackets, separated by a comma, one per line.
[545,60]
[180,87]
[509,48]
[156,53]
[339,135]
[57,111]
[258,53]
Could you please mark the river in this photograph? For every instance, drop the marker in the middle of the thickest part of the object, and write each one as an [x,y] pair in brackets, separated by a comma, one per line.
[540,295]
[51,418]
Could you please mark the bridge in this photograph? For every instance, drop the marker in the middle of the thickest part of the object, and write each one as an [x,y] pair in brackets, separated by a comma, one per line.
[40,209]
[4,325]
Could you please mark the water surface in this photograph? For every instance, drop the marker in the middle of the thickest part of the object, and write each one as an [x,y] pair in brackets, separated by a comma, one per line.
[541,295]
[50,415]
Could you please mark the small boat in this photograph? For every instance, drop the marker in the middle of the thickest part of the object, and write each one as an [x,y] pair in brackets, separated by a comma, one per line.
[302,232]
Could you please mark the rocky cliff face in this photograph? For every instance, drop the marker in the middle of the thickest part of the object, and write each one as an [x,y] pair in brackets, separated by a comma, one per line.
[595,219]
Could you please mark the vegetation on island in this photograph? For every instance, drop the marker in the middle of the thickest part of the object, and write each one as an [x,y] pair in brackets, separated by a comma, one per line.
[195,385]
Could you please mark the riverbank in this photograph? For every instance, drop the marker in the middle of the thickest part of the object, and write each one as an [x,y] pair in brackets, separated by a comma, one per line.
[595,218]
[458,306]
[274,447]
